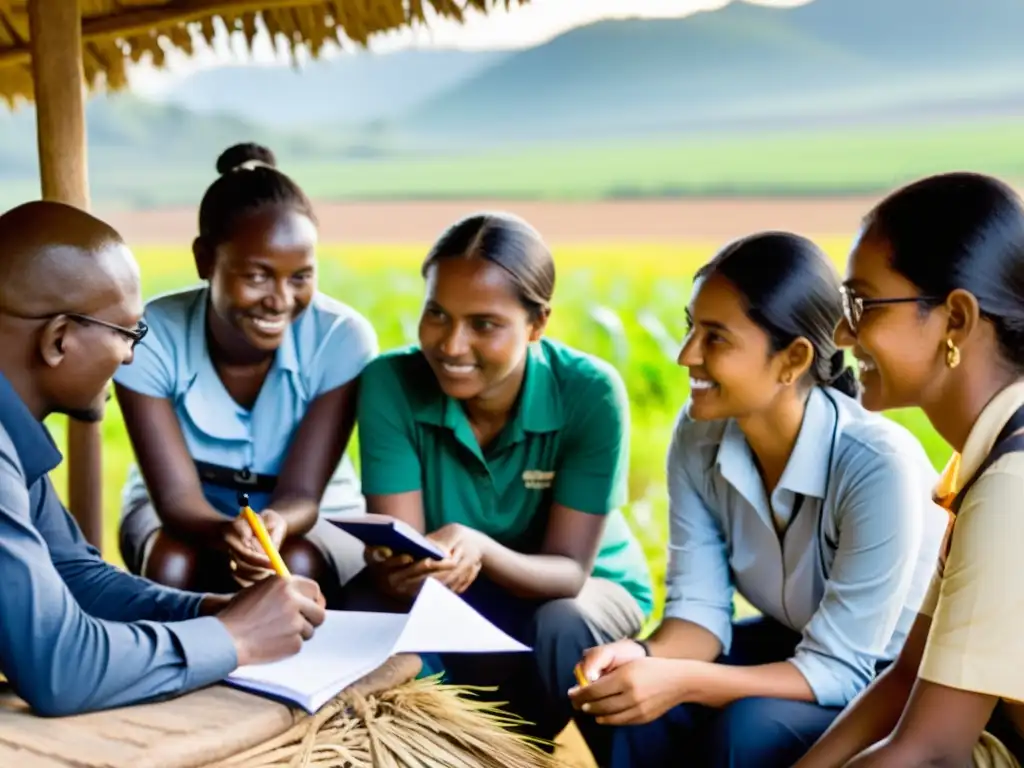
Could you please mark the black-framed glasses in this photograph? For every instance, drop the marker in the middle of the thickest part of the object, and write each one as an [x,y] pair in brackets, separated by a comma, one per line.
[854,305]
[134,335]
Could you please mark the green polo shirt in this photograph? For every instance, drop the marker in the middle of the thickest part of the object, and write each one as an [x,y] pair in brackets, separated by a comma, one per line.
[567,442]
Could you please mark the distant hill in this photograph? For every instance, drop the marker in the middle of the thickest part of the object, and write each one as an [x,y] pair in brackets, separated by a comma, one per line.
[747,66]
[742,66]
[141,153]
[353,89]
[429,123]
[739,67]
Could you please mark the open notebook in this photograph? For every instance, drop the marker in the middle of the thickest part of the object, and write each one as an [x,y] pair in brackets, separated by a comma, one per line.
[350,644]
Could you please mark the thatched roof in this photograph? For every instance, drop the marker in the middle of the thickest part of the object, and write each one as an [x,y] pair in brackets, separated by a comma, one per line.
[116,32]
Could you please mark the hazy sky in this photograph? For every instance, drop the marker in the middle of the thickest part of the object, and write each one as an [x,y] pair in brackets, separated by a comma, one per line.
[533,23]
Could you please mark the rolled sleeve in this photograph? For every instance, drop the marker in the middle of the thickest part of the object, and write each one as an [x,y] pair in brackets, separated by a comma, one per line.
[698,585]
[347,347]
[389,460]
[880,529]
[592,474]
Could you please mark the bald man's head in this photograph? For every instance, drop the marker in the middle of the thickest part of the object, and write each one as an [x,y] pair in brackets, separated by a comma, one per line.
[58,258]
[70,301]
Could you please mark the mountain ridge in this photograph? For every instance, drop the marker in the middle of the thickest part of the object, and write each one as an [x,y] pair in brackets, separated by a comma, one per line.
[740,72]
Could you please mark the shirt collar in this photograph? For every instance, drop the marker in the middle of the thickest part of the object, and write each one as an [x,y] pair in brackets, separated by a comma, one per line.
[806,472]
[539,408]
[210,407]
[982,437]
[286,358]
[36,450]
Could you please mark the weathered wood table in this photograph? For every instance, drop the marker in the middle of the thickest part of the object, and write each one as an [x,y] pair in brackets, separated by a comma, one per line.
[191,731]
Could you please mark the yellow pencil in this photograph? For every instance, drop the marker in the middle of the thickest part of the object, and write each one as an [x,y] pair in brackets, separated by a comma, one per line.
[260,530]
[578,670]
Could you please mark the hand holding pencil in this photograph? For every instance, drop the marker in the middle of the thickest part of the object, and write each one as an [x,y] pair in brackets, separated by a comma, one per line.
[250,557]
[271,618]
[259,530]
[268,530]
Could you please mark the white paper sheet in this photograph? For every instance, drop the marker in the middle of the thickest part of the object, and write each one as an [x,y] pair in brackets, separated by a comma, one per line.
[350,644]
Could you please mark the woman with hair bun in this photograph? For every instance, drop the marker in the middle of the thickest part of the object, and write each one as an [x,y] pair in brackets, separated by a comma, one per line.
[246,383]
[934,302]
[783,488]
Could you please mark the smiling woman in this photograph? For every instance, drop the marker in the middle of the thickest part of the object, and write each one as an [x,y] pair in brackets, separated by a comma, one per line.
[936,310]
[783,488]
[510,451]
[244,384]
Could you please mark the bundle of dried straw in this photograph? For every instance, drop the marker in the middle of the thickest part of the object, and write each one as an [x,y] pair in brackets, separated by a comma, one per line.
[419,724]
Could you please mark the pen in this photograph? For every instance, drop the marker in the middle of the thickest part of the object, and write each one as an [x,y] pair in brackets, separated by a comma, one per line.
[263,537]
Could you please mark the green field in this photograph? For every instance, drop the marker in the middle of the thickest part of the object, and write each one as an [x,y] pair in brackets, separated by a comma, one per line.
[634,318]
[815,161]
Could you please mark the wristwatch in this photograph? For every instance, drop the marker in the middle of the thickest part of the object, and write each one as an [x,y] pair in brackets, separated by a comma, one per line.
[643,644]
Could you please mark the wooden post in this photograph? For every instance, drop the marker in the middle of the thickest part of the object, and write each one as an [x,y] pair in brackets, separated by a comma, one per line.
[56,32]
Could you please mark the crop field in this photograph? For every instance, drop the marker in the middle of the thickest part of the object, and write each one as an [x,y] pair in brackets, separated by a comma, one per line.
[832,159]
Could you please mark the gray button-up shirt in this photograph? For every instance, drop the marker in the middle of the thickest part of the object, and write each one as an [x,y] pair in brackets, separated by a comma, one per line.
[854,561]
[76,633]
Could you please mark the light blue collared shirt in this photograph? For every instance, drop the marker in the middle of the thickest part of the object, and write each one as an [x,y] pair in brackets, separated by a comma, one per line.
[76,633]
[327,346]
[855,561]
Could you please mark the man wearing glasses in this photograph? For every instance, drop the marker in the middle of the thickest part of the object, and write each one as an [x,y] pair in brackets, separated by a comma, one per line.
[76,633]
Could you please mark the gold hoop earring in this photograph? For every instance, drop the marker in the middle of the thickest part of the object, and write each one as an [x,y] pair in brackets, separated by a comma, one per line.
[952,354]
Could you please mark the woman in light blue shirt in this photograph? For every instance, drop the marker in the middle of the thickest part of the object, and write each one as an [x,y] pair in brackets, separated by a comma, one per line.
[246,383]
[784,489]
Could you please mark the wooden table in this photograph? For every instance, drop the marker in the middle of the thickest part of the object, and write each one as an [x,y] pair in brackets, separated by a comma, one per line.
[191,731]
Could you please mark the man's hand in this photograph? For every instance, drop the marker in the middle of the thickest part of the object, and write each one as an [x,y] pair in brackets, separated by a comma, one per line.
[249,563]
[465,546]
[638,691]
[270,619]
[607,658]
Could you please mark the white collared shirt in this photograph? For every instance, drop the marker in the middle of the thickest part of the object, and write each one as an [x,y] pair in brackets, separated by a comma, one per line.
[853,564]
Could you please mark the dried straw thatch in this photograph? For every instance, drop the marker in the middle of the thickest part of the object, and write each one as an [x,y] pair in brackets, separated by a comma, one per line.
[115,32]
[420,724]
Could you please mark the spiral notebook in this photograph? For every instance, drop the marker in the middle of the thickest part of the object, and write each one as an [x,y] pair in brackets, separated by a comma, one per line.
[351,644]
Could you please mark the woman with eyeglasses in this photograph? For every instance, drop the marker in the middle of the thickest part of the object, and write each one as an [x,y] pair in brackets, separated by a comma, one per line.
[935,317]
[782,488]
[246,383]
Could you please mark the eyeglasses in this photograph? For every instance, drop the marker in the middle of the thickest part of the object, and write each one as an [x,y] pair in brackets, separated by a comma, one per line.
[854,305]
[134,335]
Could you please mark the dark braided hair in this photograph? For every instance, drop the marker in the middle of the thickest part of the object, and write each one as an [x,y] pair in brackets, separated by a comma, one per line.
[249,181]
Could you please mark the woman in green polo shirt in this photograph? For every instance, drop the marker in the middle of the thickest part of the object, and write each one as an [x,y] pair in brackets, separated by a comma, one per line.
[511,451]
